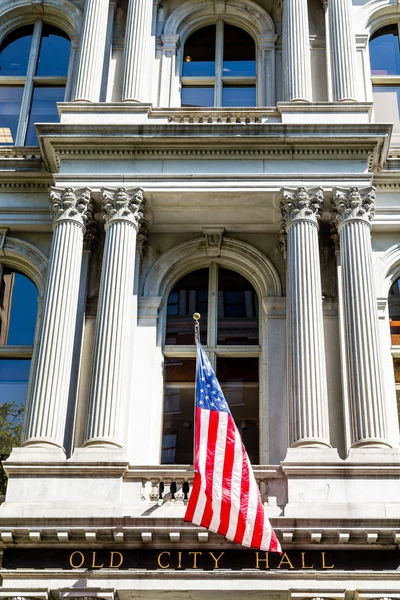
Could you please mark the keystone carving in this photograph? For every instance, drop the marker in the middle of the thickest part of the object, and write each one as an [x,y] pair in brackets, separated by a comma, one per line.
[301,204]
[123,205]
[353,203]
[71,205]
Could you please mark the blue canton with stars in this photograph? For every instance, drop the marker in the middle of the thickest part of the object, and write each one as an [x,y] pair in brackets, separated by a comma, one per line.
[208,391]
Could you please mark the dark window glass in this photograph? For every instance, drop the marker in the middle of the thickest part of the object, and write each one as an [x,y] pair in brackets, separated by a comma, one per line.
[10,106]
[177,434]
[193,95]
[384,51]
[239,95]
[394,312]
[199,53]
[189,295]
[18,309]
[238,378]
[43,110]
[237,310]
[14,52]
[14,374]
[396,365]
[239,53]
[54,53]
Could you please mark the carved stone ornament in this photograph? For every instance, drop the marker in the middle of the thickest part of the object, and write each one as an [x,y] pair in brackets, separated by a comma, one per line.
[123,205]
[91,237]
[213,240]
[142,239]
[353,203]
[300,204]
[71,204]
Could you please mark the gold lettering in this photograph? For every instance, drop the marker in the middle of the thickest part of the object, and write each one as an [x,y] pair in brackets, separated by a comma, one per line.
[159,560]
[266,560]
[71,560]
[216,560]
[303,562]
[94,566]
[112,566]
[324,565]
[285,560]
[195,558]
[179,560]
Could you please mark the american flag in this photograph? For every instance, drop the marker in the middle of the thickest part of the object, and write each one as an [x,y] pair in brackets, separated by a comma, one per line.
[225,497]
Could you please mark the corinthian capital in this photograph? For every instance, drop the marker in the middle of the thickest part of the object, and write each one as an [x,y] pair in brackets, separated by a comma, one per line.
[353,203]
[71,204]
[123,205]
[301,204]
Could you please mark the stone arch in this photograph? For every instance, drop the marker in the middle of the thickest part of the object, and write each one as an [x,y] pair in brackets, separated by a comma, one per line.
[378,13]
[62,14]
[194,14]
[26,258]
[235,255]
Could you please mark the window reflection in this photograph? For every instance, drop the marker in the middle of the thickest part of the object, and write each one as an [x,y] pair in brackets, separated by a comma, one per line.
[179,390]
[237,310]
[14,52]
[18,309]
[239,95]
[384,51]
[54,53]
[193,95]
[43,110]
[239,59]
[199,55]
[10,106]
[189,295]
[14,375]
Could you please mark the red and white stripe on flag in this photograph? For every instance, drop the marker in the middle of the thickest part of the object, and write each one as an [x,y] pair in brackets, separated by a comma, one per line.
[225,497]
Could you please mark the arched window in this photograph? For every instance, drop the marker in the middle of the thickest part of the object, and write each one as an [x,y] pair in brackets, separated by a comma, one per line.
[228,306]
[385,74]
[33,73]
[219,67]
[394,316]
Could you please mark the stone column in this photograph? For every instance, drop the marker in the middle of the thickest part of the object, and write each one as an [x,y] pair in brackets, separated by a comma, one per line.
[112,362]
[136,50]
[343,50]
[91,57]
[307,387]
[296,51]
[353,211]
[50,380]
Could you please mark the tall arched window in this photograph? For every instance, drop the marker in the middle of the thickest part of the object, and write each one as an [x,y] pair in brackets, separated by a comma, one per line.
[394,316]
[228,306]
[33,73]
[385,74]
[219,67]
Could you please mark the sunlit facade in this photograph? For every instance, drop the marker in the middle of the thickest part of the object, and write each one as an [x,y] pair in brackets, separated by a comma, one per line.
[238,159]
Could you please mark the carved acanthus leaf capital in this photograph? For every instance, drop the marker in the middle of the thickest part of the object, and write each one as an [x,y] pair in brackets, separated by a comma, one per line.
[71,204]
[301,204]
[123,205]
[353,203]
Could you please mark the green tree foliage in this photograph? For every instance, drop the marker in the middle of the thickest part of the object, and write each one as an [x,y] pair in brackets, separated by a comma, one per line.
[11,416]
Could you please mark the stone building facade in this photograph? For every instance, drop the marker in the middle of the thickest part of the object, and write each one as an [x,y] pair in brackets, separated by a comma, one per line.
[239,158]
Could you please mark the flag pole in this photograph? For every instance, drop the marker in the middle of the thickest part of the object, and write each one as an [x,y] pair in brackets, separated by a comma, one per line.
[196,317]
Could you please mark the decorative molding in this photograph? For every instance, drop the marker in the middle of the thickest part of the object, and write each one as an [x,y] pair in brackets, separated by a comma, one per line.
[213,237]
[300,205]
[353,204]
[123,205]
[26,258]
[71,204]
[3,233]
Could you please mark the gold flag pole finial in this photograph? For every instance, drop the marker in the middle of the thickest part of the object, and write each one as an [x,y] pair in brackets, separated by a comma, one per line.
[197,317]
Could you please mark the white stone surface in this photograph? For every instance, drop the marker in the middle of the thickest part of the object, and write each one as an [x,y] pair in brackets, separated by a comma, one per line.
[137,64]
[296,51]
[343,50]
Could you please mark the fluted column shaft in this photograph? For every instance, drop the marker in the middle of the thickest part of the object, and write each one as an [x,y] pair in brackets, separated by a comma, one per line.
[307,387]
[91,57]
[296,51]
[343,50]
[48,396]
[137,46]
[353,212]
[123,212]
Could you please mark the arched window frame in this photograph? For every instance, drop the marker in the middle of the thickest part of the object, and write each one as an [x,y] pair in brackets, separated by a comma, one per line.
[66,17]
[160,280]
[195,14]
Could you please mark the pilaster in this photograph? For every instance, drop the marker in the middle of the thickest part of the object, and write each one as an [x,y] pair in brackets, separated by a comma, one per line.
[136,50]
[343,50]
[50,380]
[307,387]
[353,211]
[296,51]
[91,57]
[122,210]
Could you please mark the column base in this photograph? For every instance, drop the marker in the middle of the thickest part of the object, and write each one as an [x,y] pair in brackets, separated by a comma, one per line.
[311,454]
[36,453]
[373,454]
[99,453]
